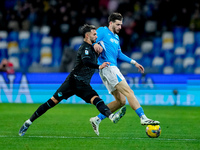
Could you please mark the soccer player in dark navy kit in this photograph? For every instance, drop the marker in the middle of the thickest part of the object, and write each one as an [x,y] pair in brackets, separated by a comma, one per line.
[78,82]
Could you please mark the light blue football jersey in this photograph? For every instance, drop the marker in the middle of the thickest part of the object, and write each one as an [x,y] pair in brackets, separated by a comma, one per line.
[111,47]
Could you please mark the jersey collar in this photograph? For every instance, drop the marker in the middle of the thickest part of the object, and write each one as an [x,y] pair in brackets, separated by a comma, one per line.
[114,35]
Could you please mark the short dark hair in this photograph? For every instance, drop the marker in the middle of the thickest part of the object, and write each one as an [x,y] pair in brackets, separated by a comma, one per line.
[115,16]
[87,28]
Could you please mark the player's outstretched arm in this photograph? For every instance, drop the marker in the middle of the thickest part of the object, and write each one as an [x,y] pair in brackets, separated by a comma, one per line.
[140,67]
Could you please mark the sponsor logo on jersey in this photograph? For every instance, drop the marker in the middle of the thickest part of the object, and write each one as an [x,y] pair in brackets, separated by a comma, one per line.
[86,52]
[114,41]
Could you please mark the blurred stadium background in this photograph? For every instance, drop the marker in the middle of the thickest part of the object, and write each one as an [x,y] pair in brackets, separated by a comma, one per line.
[41,38]
[43,35]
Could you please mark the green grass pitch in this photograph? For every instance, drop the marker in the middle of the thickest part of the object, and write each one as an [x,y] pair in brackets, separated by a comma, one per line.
[67,127]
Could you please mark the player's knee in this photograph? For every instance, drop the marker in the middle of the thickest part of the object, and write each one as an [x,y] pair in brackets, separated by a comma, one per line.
[51,103]
[97,101]
[93,98]
[55,100]
[100,105]
[122,102]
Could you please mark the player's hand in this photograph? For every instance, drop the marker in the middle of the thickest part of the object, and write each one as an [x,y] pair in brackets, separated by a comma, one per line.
[105,64]
[98,49]
[140,67]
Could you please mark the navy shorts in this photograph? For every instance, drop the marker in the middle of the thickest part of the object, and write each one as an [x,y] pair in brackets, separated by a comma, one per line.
[72,86]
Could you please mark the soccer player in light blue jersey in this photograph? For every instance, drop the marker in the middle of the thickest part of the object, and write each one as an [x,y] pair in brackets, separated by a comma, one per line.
[108,45]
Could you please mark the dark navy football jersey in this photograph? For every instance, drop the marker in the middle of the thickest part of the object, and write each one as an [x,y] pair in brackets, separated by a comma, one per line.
[81,71]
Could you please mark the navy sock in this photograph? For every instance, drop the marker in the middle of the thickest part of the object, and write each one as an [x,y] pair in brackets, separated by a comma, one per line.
[103,109]
[42,109]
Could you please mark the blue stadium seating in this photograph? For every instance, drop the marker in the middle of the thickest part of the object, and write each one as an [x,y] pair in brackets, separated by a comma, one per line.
[178,65]
[25,62]
[35,54]
[188,64]
[178,34]
[158,63]
[30,49]
[157,46]
[189,69]
[147,61]
[35,39]
[24,37]
[197,39]
[169,58]
[197,61]
[3,35]
[3,50]
[13,36]
[190,49]
[57,51]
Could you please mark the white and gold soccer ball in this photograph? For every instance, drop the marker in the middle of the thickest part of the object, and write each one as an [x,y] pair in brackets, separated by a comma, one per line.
[153,131]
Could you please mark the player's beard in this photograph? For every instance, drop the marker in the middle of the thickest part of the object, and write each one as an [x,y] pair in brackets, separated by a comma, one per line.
[115,31]
[93,40]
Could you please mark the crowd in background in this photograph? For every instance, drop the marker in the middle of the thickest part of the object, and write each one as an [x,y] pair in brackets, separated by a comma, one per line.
[65,17]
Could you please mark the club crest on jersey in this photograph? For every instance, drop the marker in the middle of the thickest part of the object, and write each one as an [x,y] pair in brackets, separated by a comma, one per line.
[60,94]
[86,52]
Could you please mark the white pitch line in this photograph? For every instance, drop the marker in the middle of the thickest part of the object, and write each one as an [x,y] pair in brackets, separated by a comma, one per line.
[119,138]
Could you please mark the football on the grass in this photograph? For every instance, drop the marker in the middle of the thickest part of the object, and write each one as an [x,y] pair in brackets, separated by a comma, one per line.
[153,131]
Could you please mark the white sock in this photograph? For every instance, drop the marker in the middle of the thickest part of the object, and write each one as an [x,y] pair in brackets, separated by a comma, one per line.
[143,117]
[98,119]
[28,121]
[111,116]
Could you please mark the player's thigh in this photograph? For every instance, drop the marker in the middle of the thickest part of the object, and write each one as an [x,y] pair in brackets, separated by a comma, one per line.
[85,91]
[119,96]
[65,91]
[123,87]
[111,76]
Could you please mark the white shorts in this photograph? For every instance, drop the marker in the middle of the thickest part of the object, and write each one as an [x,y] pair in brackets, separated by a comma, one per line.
[111,76]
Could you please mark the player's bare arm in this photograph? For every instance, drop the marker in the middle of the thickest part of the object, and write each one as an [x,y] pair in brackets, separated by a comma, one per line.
[98,49]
